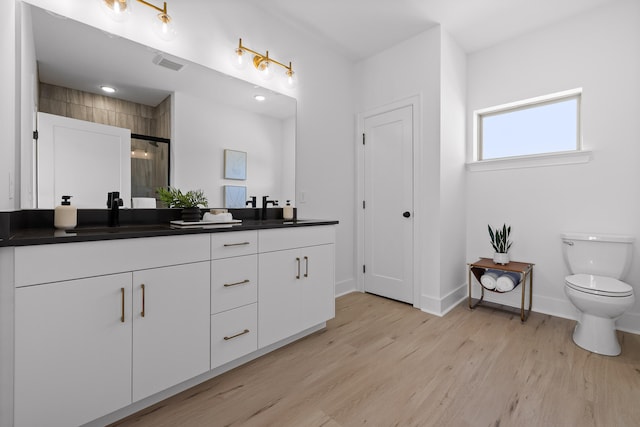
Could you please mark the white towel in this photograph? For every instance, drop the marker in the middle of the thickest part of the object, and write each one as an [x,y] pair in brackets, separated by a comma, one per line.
[507,282]
[221,217]
[488,280]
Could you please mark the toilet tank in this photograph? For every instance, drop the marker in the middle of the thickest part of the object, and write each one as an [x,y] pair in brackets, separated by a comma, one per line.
[598,254]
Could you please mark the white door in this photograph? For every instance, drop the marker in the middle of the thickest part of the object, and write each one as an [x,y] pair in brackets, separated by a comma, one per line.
[82,159]
[171,320]
[388,209]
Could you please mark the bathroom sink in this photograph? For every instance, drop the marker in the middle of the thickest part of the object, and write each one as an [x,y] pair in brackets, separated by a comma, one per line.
[122,229]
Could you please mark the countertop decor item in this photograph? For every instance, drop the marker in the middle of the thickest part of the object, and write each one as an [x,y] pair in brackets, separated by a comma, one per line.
[190,201]
[500,243]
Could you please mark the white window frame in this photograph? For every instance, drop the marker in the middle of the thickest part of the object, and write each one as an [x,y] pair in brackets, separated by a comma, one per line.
[578,155]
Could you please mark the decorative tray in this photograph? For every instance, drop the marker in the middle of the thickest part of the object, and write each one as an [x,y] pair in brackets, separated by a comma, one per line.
[181,223]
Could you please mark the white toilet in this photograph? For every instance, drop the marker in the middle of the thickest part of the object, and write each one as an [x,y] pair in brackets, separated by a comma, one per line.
[597,262]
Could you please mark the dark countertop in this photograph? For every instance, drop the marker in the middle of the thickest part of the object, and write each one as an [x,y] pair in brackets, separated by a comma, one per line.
[43,236]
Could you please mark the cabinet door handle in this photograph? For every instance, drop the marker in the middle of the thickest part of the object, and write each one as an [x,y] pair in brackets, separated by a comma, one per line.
[142,312]
[236,244]
[226,285]
[122,295]
[306,262]
[298,261]
[246,331]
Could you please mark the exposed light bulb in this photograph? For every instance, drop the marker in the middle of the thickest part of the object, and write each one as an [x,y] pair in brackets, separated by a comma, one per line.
[266,70]
[118,10]
[164,27]
[239,59]
[290,80]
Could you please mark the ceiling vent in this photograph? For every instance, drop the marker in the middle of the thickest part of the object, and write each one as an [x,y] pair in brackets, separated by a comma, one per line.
[167,63]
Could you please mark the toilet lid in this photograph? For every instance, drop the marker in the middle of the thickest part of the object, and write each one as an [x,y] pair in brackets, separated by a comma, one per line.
[598,285]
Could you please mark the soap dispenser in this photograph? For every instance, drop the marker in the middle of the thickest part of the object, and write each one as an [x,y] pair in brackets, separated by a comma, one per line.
[287,211]
[65,216]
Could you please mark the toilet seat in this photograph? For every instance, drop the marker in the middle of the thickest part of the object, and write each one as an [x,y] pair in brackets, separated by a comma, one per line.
[598,285]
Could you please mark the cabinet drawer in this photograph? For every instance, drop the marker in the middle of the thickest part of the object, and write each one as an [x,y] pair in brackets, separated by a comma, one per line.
[233,334]
[234,282]
[53,263]
[288,238]
[225,245]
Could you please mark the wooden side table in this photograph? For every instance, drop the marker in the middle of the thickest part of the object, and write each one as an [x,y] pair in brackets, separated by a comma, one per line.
[479,267]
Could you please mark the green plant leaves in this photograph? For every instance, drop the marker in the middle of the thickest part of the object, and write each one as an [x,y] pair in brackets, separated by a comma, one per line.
[500,238]
[174,198]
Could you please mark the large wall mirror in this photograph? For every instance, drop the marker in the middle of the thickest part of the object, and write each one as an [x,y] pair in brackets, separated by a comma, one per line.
[193,114]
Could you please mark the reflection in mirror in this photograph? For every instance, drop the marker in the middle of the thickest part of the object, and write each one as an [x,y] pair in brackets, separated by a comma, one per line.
[149,165]
[206,112]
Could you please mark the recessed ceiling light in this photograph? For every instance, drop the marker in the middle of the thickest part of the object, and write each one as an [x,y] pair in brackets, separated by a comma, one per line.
[259,97]
[108,89]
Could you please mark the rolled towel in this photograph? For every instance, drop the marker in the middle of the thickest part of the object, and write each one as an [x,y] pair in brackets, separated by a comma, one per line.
[488,279]
[507,281]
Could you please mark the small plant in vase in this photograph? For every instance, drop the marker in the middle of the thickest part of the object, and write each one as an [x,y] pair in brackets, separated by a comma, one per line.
[501,244]
[190,202]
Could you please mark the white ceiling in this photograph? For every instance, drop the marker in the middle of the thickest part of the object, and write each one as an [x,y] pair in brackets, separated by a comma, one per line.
[360,28]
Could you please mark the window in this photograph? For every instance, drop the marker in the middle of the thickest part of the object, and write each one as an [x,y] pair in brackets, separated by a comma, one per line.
[544,125]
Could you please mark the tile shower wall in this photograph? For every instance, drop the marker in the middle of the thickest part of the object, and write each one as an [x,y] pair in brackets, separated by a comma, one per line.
[141,119]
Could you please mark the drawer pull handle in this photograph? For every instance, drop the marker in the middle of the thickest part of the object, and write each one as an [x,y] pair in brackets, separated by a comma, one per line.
[306,261]
[226,245]
[298,261]
[142,312]
[246,331]
[226,285]
[122,315]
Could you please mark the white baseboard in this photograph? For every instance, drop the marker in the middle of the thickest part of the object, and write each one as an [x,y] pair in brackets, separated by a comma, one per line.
[345,287]
[629,322]
[558,307]
[441,306]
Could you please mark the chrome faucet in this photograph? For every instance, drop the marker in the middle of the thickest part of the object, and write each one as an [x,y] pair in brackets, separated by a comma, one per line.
[113,203]
[265,204]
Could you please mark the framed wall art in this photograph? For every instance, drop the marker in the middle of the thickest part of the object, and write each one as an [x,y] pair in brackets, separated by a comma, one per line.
[235,196]
[235,165]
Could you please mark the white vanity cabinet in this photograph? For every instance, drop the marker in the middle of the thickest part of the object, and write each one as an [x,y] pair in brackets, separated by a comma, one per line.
[296,276]
[234,296]
[72,350]
[83,348]
[100,325]
[170,326]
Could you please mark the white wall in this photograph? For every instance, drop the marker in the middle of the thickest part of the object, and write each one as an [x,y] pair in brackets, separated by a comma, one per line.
[203,130]
[9,103]
[452,173]
[597,51]
[416,67]
[208,33]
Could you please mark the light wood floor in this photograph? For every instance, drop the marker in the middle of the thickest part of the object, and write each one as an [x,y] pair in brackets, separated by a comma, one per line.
[384,363]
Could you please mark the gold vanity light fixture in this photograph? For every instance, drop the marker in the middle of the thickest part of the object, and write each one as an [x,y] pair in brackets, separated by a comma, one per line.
[163,25]
[264,64]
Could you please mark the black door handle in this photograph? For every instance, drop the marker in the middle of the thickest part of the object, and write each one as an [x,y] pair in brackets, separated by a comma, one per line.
[407,214]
